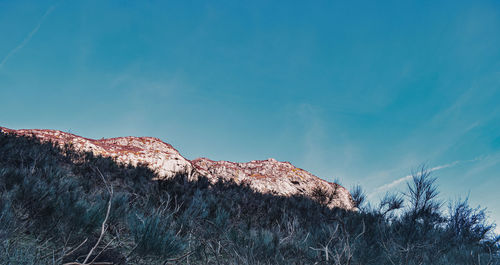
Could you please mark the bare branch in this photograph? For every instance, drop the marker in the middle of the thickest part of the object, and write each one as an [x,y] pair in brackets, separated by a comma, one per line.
[103,226]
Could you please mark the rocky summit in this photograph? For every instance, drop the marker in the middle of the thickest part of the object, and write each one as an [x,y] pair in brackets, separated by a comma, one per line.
[265,176]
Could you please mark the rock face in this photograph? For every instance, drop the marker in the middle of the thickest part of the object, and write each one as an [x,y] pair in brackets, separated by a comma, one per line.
[271,176]
[157,155]
[266,176]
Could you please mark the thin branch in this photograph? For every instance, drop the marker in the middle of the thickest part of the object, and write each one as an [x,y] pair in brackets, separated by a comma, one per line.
[179,258]
[95,263]
[103,226]
[102,250]
[73,250]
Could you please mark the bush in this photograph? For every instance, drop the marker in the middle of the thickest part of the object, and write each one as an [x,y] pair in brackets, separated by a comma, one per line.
[154,236]
[53,205]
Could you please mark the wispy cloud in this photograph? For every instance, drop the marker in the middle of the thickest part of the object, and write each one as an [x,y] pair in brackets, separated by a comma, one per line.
[28,37]
[314,135]
[396,182]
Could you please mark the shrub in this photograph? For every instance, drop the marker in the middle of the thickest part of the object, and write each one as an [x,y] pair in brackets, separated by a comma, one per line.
[53,205]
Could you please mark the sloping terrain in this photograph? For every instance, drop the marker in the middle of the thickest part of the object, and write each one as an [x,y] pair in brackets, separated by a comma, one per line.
[62,206]
[58,205]
[279,178]
[265,176]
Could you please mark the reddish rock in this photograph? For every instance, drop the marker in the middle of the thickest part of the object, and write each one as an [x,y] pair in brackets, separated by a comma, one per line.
[266,176]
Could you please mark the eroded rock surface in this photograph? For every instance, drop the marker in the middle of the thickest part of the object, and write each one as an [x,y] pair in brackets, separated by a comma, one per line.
[157,155]
[271,176]
[266,176]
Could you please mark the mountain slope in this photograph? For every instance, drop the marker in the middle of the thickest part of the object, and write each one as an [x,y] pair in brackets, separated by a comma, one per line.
[59,206]
[265,176]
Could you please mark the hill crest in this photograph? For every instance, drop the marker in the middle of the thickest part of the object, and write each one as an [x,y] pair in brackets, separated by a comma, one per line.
[265,176]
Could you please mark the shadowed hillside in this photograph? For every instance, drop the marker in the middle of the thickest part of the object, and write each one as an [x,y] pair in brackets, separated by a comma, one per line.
[264,176]
[58,206]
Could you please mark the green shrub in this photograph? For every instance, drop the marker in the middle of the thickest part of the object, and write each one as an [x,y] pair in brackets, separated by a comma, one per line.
[154,236]
[53,205]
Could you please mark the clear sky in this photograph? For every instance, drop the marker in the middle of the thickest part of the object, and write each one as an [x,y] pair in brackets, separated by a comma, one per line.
[362,92]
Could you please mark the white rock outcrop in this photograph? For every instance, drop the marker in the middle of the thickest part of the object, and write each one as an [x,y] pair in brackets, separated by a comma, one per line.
[271,176]
[266,176]
[160,157]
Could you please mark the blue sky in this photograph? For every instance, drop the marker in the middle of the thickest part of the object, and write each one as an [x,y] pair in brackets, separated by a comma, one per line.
[362,92]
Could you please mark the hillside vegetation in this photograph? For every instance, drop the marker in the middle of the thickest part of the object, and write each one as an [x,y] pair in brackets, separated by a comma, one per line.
[58,206]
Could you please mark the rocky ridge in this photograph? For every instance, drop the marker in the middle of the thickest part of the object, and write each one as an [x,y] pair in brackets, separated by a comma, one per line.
[266,176]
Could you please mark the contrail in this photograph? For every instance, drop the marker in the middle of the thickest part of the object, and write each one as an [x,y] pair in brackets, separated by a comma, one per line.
[28,37]
[406,178]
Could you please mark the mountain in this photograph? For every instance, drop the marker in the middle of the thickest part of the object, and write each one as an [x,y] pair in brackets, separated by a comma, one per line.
[86,203]
[265,176]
